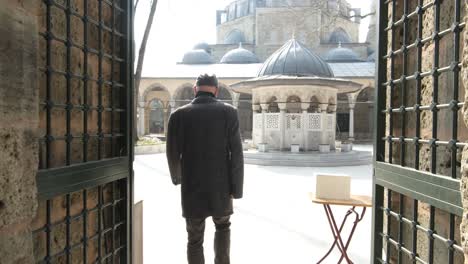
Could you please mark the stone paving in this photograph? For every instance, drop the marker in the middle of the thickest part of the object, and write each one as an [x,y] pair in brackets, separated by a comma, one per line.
[275,222]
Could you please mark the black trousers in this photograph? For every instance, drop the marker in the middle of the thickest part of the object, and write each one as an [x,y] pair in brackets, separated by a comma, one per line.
[222,241]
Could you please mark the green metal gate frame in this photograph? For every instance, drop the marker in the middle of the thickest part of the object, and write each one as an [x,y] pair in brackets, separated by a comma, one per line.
[54,182]
[442,192]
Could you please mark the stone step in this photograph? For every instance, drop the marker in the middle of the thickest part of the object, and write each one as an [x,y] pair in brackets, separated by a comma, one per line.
[313,159]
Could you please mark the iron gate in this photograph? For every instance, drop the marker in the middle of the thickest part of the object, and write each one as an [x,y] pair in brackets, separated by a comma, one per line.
[418,143]
[86,152]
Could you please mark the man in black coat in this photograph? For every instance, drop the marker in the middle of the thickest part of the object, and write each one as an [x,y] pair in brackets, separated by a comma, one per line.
[204,152]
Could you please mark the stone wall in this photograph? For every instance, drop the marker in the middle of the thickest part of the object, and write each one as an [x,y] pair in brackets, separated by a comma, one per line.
[18,129]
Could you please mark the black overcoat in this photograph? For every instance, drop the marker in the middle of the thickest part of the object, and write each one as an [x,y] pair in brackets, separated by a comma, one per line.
[204,153]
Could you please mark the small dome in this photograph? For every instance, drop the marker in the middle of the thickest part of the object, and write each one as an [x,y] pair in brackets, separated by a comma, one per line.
[234,37]
[294,59]
[239,56]
[203,46]
[341,55]
[371,57]
[339,36]
[197,56]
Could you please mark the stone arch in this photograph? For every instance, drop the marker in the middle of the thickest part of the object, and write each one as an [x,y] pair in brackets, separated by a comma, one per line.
[363,114]
[366,94]
[183,95]
[224,94]
[273,105]
[155,118]
[235,36]
[157,111]
[154,88]
[339,35]
[245,115]
[293,104]
[314,104]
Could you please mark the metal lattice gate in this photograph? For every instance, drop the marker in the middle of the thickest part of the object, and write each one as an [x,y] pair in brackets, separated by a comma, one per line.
[86,152]
[418,144]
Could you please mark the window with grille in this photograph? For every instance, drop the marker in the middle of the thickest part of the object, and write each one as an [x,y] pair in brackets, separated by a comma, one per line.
[85,88]
[420,132]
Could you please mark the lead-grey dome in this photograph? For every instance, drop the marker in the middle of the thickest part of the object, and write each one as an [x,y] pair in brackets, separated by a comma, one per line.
[294,59]
[239,56]
[234,37]
[198,56]
[341,54]
[204,46]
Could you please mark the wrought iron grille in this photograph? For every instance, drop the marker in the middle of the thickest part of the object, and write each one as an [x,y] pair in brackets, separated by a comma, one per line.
[418,143]
[85,172]
[88,226]
[81,84]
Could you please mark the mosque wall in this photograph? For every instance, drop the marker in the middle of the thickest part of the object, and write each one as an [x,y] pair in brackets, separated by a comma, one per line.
[269,28]
[265,51]
[331,23]
[275,26]
[245,24]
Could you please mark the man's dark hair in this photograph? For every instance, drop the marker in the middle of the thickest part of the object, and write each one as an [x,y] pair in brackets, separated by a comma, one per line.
[207,80]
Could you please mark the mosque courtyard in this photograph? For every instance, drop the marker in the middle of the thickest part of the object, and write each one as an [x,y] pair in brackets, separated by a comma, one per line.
[275,222]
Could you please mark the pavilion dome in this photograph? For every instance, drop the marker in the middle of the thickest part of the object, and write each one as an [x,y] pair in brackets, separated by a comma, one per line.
[203,46]
[239,56]
[341,54]
[197,56]
[294,59]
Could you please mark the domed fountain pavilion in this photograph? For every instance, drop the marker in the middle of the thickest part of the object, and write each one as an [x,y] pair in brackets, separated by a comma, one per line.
[294,100]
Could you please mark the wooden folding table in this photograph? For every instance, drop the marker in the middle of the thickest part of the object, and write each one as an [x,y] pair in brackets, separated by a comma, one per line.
[355,201]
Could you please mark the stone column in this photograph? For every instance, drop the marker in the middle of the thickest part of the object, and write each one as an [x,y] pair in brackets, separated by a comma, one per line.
[141,119]
[352,104]
[324,117]
[166,120]
[235,100]
[172,103]
[282,125]
[255,111]
[305,134]
[19,108]
[264,111]
[332,133]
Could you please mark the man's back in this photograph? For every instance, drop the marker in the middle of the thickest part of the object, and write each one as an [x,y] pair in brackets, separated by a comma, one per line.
[204,153]
[204,136]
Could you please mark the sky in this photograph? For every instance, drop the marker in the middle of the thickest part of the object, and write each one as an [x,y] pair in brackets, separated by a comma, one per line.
[180,24]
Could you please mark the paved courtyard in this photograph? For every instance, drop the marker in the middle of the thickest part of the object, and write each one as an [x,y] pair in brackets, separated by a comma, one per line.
[275,222]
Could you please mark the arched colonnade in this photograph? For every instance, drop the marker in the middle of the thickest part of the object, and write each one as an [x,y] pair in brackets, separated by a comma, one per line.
[157,101]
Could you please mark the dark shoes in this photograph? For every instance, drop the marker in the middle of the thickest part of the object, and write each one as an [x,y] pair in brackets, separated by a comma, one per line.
[222,241]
